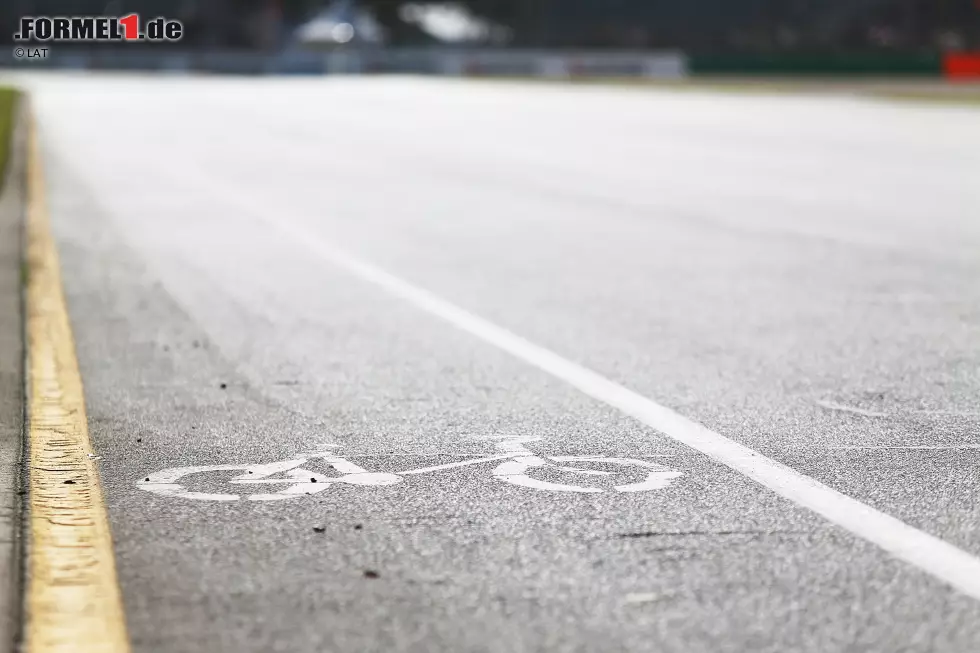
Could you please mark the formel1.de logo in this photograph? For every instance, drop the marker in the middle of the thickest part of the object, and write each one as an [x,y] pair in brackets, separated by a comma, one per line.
[97,29]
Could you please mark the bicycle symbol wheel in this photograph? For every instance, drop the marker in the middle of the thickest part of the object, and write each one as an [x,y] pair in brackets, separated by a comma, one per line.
[515,471]
[299,481]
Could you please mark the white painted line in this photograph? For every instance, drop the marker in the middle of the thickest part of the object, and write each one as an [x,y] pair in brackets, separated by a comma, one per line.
[931,554]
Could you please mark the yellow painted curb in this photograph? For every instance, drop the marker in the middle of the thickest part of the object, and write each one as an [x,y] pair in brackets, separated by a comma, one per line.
[72,599]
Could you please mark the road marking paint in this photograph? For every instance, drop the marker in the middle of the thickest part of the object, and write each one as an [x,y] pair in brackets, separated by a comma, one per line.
[436,454]
[657,479]
[515,470]
[165,482]
[947,413]
[642,597]
[914,447]
[300,481]
[72,599]
[517,461]
[462,463]
[944,561]
[841,408]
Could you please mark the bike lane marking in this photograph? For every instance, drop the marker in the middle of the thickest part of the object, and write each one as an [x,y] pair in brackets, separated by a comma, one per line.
[513,468]
[72,600]
[461,463]
[300,482]
[944,561]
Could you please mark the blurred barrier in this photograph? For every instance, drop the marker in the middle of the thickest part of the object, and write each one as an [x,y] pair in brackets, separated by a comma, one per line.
[572,64]
[504,63]
[962,65]
[517,63]
[905,65]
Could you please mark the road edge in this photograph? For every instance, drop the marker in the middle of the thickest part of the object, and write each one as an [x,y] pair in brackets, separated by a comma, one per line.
[12,389]
[72,600]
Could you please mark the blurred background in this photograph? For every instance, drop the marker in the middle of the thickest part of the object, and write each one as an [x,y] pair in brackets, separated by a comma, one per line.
[906,37]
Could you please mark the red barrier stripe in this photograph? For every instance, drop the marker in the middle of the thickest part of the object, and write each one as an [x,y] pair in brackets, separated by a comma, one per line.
[962,65]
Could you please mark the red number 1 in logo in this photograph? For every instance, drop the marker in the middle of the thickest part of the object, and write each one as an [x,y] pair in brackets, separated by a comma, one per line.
[131,23]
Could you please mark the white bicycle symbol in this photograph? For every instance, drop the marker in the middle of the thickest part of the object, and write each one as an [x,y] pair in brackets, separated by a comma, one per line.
[514,463]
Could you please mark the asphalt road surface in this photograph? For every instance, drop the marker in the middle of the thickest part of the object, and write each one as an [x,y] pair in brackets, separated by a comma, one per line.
[425,272]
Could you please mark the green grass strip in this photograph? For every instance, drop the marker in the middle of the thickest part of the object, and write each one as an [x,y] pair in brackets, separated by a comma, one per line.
[8,104]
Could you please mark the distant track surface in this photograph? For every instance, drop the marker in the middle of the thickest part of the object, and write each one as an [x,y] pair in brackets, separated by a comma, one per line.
[776,296]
